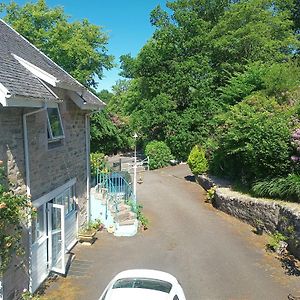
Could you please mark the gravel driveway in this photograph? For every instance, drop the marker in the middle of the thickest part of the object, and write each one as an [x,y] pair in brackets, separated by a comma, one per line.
[213,255]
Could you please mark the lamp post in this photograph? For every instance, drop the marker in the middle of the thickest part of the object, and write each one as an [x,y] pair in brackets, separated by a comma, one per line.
[134,166]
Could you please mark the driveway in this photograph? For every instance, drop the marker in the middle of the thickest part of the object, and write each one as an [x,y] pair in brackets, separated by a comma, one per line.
[213,255]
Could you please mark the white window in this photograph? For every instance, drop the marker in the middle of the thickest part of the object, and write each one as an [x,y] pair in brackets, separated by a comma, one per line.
[39,224]
[67,198]
[55,128]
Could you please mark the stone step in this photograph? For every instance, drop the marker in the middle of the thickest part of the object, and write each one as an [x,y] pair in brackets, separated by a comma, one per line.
[125,215]
[127,222]
[121,207]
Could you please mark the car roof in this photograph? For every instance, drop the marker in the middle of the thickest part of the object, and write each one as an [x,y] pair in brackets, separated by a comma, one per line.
[147,273]
[136,294]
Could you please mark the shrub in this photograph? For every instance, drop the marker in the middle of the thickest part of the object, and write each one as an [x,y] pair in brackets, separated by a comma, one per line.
[254,141]
[210,195]
[159,154]
[197,160]
[275,239]
[287,188]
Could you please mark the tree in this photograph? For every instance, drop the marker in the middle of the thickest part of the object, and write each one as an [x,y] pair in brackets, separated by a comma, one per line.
[78,47]
[108,134]
[105,96]
[251,31]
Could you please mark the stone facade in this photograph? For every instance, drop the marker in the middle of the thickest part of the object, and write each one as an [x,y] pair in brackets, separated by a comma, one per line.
[273,214]
[51,165]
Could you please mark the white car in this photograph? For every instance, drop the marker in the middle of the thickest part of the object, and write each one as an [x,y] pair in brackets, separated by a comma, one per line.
[142,284]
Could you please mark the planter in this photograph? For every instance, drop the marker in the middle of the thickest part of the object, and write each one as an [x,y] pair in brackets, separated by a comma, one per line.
[87,237]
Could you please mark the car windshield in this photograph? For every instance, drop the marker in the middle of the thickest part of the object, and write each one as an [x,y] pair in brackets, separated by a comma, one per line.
[143,283]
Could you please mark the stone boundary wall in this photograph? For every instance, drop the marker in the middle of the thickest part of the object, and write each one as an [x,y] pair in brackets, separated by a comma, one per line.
[275,215]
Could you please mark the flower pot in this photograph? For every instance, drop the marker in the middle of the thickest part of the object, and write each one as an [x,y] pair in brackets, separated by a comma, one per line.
[87,237]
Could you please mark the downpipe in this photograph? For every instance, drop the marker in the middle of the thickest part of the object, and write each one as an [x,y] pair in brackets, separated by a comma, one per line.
[28,186]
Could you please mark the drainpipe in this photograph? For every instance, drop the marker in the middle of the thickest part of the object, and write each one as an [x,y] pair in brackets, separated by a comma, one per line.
[28,190]
[26,151]
[88,167]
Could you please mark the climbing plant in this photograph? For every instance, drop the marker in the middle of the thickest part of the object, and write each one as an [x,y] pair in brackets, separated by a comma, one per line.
[14,212]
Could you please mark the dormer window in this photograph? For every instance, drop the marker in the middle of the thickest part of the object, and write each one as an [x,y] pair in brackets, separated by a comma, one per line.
[55,128]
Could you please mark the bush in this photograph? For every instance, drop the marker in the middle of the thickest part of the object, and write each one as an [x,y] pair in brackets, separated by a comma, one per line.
[285,188]
[98,162]
[253,141]
[197,160]
[159,154]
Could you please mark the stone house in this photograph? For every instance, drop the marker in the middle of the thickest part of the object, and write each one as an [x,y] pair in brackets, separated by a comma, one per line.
[44,143]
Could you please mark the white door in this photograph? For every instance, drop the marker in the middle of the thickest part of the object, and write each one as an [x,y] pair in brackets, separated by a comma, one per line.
[56,226]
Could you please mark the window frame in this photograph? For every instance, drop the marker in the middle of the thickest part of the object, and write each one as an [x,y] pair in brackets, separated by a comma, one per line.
[49,128]
[70,193]
[39,235]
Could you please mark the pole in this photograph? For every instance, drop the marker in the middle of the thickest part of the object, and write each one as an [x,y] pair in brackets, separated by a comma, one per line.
[134,167]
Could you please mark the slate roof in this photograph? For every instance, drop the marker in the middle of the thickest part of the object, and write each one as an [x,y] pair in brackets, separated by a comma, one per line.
[18,80]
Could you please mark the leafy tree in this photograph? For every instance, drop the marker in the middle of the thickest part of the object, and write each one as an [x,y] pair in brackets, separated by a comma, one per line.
[249,31]
[79,47]
[203,56]
[105,96]
[108,135]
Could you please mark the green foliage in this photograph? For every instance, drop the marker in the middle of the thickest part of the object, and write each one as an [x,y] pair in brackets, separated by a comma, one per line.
[211,194]
[249,31]
[108,133]
[105,96]
[274,240]
[141,217]
[26,295]
[91,227]
[284,188]
[14,211]
[138,209]
[98,162]
[281,80]
[202,57]
[197,160]
[253,141]
[79,47]
[159,154]
[243,84]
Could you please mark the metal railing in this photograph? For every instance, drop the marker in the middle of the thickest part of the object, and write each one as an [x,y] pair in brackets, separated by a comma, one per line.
[115,189]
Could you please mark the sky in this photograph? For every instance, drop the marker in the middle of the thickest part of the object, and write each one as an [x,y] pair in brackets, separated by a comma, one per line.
[127,23]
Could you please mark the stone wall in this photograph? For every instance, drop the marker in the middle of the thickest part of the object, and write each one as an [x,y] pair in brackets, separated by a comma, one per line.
[51,166]
[275,215]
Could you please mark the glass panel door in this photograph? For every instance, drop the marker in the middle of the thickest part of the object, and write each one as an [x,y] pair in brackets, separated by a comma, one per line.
[56,225]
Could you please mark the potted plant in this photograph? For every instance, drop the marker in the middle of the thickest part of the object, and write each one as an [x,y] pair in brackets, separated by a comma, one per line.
[88,233]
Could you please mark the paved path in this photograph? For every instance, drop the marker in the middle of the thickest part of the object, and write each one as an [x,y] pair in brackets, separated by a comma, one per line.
[213,255]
